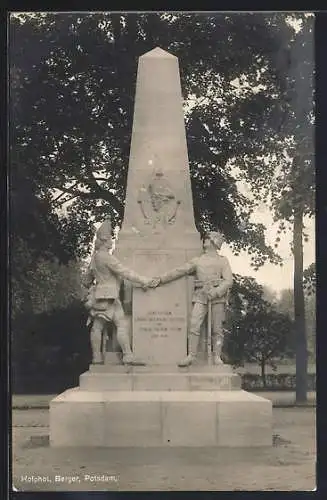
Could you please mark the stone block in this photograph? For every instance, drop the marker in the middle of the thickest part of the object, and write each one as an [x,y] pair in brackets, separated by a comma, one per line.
[133,420]
[160,317]
[106,382]
[160,382]
[236,382]
[189,419]
[77,419]
[110,368]
[160,418]
[112,357]
[209,382]
[203,367]
[147,380]
[243,420]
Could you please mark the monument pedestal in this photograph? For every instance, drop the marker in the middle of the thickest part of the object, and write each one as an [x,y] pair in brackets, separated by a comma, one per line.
[117,406]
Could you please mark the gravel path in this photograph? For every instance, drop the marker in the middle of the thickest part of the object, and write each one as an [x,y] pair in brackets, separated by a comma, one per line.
[288,465]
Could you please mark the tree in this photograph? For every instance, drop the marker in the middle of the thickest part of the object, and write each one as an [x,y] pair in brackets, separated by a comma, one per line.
[263,335]
[54,343]
[38,241]
[285,305]
[246,297]
[309,279]
[309,284]
[269,295]
[256,329]
[72,126]
[310,321]
[288,186]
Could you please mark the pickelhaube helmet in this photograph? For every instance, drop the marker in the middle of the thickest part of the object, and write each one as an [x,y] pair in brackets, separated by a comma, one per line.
[217,237]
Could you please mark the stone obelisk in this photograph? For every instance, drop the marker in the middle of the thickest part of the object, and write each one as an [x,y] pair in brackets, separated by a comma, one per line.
[158,231]
[163,405]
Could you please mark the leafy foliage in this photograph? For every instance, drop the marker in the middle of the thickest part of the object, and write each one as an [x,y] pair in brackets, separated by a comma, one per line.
[63,350]
[274,382]
[288,186]
[44,285]
[285,305]
[246,296]
[287,180]
[72,91]
[264,335]
[309,279]
[256,331]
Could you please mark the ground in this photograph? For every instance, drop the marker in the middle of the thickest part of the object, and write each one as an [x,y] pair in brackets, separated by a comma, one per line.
[288,465]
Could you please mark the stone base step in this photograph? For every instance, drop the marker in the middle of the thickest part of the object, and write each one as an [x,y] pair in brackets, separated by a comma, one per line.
[81,418]
[196,367]
[136,380]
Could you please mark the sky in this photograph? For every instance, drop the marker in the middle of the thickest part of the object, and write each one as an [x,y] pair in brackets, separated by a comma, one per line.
[275,277]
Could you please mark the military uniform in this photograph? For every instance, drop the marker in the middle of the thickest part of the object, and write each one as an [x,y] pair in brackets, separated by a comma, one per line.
[103,300]
[213,280]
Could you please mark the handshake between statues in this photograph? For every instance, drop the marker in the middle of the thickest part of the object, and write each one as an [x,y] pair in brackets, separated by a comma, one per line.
[152,283]
[213,279]
[208,289]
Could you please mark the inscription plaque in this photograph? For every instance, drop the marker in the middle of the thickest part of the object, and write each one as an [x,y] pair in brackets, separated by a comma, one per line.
[160,316]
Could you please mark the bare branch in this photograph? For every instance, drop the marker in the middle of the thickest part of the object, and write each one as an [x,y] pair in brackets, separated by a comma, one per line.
[67,200]
[55,200]
[62,194]
[97,194]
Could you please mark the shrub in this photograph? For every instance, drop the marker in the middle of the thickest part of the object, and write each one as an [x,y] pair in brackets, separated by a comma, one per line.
[50,350]
[275,382]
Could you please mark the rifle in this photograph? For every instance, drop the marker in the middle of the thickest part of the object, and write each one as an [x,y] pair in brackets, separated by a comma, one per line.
[209,334]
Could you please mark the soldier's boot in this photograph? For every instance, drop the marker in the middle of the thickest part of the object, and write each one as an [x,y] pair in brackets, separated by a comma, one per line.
[97,359]
[193,348]
[217,348]
[124,342]
[129,359]
[96,342]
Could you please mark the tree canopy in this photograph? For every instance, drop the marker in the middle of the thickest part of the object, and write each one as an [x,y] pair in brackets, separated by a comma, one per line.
[73,81]
[287,182]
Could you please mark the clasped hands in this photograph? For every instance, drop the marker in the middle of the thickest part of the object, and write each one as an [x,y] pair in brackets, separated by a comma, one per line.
[210,291]
[152,283]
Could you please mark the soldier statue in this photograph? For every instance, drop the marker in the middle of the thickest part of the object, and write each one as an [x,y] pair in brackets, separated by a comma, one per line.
[104,276]
[213,280]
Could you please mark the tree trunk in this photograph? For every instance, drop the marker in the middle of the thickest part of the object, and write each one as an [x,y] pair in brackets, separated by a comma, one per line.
[299,311]
[263,371]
